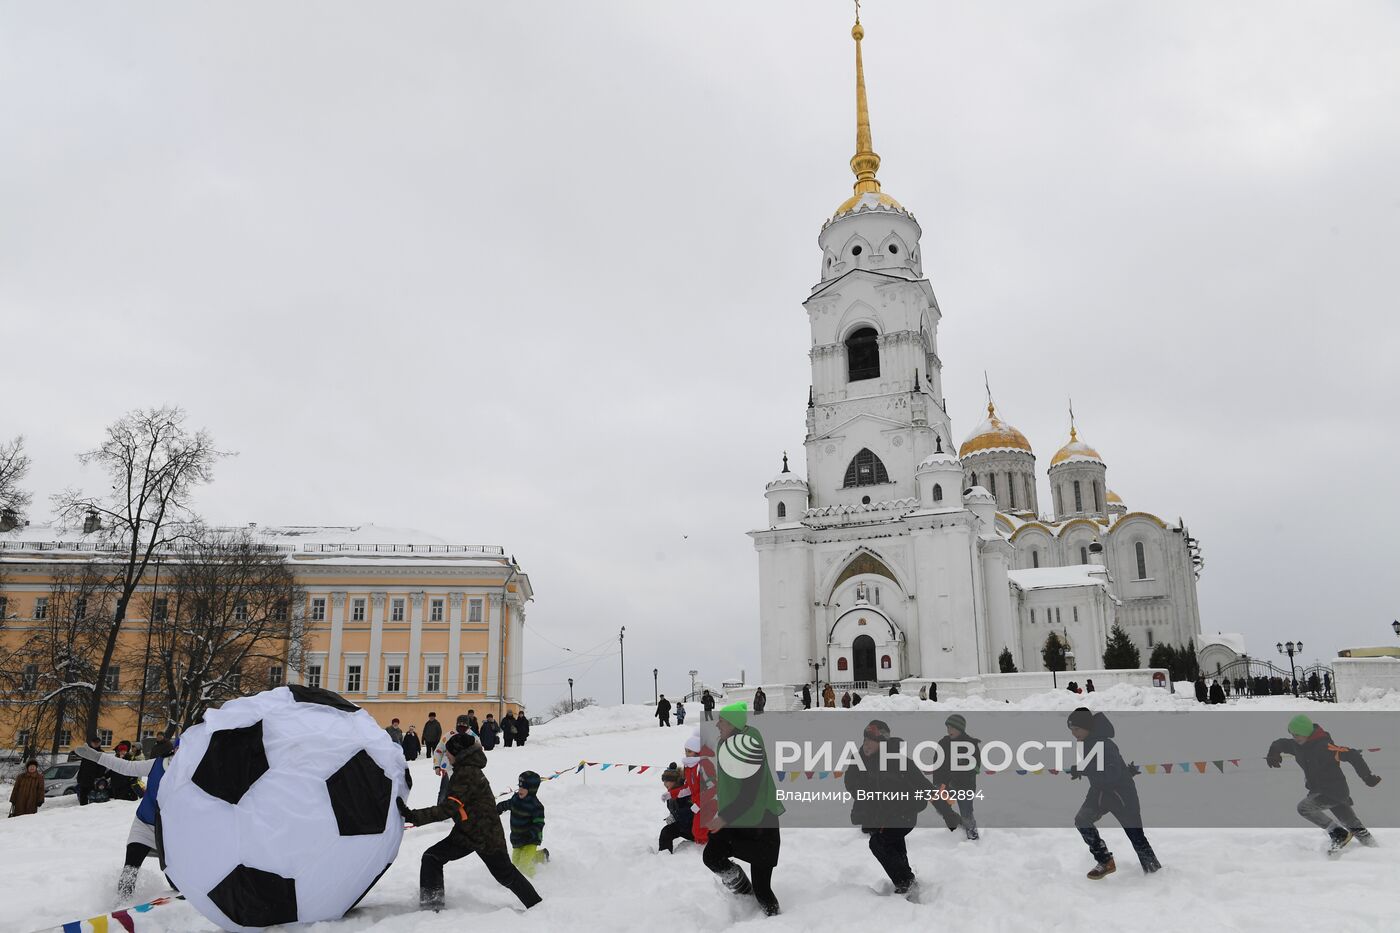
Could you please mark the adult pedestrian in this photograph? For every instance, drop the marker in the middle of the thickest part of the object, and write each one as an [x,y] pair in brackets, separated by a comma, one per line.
[933,691]
[473,724]
[411,745]
[432,734]
[1089,685]
[490,732]
[806,696]
[828,697]
[508,729]
[522,727]
[760,701]
[707,703]
[663,711]
[89,772]
[846,699]
[1217,693]
[27,796]
[1202,691]
[395,732]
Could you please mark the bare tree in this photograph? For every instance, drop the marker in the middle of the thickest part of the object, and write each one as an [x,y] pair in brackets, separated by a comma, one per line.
[230,625]
[568,706]
[14,499]
[59,661]
[154,463]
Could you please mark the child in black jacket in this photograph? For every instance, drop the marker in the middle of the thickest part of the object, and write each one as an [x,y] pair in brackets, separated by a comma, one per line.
[1328,803]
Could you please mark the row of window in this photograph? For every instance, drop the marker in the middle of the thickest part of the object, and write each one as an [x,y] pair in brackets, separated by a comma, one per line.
[1013,501]
[1079,497]
[1052,616]
[393,678]
[1139,551]
[105,738]
[437,610]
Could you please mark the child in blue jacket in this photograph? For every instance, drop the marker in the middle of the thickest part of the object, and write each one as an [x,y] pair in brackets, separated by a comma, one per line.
[526,824]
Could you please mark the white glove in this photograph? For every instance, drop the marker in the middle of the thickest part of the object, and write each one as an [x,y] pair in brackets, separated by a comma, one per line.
[87,752]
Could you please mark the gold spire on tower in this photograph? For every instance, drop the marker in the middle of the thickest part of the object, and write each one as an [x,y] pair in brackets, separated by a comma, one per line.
[865,163]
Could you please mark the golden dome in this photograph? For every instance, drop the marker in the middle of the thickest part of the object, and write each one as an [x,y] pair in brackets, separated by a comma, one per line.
[1075,450]
[874,199]
[1113,498]
[993,434]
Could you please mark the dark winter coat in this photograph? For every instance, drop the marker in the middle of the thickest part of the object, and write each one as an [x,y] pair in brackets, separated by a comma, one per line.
[1217,693]
[1201,691]
[490,733]
[411,747]
[1111,771]
[806,697]
[679,806]
[526,819]
[396,734]
[909,791]
[473,725]
[760,700]
[663,709]
[522,727]
[470,805]
[1321,761]
[28,794]
[89,772]
[952,779]
[432,733]
[508,725]
[707,702]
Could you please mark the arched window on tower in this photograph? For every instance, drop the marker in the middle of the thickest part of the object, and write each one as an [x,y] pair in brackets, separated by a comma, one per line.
[992,478]
[1078,498]
[1011,488]
[865,470]
[1035,558]
[1098,497]
[1141,560]
[863,354]
[1083,552]
[937,493]
[782,510]
[841,664]
[1059,504]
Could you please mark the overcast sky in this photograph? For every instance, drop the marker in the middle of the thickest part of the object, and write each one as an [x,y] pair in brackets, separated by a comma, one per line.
[531,274]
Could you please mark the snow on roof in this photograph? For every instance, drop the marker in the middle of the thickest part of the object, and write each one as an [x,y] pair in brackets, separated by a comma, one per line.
[1045,578]
[1232,640]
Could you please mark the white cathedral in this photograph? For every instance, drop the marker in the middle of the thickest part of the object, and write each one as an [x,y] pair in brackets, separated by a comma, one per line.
[897,558]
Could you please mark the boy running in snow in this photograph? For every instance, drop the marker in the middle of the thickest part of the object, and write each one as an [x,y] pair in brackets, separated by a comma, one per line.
[1111,790]
[681,819]
[1328,803]
[960,783]
[471,806]
[746,826]
[526,824]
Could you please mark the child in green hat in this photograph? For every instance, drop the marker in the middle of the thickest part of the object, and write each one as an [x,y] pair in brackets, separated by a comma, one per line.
[1328,803]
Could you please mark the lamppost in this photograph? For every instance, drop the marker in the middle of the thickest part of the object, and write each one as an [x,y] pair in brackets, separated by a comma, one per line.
[654,697]
[1290,649]
[1396,626]
[571,694]
[622,664]
[692,685]
[1057,661]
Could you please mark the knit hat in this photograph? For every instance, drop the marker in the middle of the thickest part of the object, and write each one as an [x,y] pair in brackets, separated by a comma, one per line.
[673,774]
[1081,718]
[957,721]
[694,743]
[1300,725]
[529,780]
[461,742]
[736,714]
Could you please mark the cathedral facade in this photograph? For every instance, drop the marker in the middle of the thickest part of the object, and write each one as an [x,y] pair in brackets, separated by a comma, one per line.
[902,555]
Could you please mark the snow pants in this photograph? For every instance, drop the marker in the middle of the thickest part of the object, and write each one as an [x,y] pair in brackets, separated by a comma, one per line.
[757,846]
[507,739]
[673,831]
[1324,811]
[496,860]
[1120,801]
[889,849]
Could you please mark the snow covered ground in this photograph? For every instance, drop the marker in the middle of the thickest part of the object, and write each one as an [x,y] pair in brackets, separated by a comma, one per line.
[605,874]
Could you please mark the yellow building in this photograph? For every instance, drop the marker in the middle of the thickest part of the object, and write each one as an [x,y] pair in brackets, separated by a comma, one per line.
[397,621]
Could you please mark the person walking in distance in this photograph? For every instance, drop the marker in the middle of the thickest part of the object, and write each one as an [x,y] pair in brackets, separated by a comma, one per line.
[522,726]
[760,701]
[663,711]
[431,734]
[707,703]
[508,729]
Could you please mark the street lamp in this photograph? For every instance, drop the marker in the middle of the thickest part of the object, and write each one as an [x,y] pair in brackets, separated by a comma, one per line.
[692,685]
[1290,649]
[571,694]
[622,664]
[654,697]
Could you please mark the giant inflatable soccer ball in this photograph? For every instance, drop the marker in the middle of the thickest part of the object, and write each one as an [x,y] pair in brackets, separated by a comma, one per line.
[279,808]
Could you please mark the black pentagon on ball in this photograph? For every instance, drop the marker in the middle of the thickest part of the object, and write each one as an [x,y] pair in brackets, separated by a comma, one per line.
[251,897]
[360,796]
[233,762]
[304,694]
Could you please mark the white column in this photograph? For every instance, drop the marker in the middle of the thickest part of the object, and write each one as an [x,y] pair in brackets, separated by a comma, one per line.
[514,653]
[490,661]
[331,675]
[453,686]
[415,642]
[374,666]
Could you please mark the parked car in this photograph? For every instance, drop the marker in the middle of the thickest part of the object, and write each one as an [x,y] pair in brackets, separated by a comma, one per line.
[61,779]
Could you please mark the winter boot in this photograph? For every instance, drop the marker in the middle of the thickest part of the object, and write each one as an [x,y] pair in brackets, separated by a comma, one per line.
[769,907]
[1101,870]
[908,887]
[1149,863]
[735,880]
[1364,837]
[542,854]
[970,830]
[1340,837]
[126,884]
[431,899]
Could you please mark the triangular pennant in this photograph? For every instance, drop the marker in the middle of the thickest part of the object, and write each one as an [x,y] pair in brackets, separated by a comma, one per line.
[124,918]
[1185,767]
[1219,765]
[1235,762]
[99,924]
[581,766]
[821,775]
[606,766]
[837,774]
[1373,749]
[592,764]
[1151,769]
[631,767]
[1053,771]
[809,774]
[643,769]
[1201,767]
[1167,767]
[1021,771]
[782,776]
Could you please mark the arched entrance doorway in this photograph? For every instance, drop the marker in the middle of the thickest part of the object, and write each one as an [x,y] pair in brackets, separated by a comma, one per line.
[863,659]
